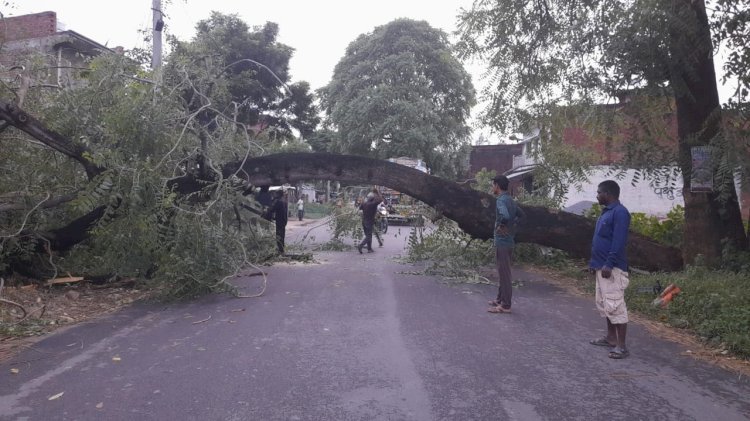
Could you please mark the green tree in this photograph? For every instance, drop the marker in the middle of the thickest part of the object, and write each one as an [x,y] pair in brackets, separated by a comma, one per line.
[552,53]
[399,91]
[230,73]
[731,29]
[84,173]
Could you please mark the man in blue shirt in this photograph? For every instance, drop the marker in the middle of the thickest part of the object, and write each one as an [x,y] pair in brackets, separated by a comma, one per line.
[610,263]
[507,215]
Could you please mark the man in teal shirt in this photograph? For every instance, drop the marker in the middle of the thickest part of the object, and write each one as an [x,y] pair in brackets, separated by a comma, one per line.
[507,215]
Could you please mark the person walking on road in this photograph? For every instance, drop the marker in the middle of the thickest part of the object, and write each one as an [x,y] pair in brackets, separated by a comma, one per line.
[507,216]
[369,208]
[610,264]
[278,212]
[300,208]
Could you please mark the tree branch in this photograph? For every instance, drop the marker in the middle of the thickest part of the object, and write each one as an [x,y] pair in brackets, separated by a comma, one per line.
[15,116]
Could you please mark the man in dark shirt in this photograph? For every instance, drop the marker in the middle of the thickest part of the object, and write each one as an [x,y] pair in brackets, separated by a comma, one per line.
[610,263]
[278,212]
[369,208]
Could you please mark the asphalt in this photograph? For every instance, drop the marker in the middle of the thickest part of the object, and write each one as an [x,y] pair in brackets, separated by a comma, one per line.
[360,337]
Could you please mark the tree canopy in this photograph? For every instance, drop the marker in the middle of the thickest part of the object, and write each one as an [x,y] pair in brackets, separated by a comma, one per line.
[241,74]
[399,91]
[544,55]
[84,171]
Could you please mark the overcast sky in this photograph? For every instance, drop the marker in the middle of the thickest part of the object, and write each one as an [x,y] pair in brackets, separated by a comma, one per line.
[319,30]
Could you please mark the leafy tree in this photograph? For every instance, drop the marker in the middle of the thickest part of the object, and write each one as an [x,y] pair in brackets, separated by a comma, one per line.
[399,91]
[551,53]
[731,28]
[240,75]
[84,173]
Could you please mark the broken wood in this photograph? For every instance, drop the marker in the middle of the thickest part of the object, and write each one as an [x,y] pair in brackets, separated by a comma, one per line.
[65,280]
[201,321]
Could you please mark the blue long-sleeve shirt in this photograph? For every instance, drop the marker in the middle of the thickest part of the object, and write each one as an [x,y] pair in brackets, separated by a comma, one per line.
[507,213]
[610,238]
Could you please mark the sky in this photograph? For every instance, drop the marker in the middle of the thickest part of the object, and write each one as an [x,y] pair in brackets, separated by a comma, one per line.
[319,30]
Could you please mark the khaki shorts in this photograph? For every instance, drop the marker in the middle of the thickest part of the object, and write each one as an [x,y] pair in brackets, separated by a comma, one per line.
[610,296]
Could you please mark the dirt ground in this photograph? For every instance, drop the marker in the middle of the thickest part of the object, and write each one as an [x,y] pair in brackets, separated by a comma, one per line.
[49,308]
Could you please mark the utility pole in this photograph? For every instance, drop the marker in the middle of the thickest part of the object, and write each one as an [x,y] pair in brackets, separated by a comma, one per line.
[158,25]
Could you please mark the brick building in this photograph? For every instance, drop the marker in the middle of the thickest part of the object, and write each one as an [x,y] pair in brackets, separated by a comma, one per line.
[517,161]
[21,37]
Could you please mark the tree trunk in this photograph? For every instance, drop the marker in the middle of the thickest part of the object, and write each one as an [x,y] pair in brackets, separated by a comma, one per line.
[709,219]
[471,209]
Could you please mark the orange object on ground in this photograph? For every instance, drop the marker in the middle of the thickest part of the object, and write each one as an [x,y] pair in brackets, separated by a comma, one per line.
[666,296]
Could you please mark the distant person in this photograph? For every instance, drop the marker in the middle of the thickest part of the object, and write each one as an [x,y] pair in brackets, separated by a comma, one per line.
[369,208]
[380,226]
[300,208]
[278,212]
[507,216]
[610,263]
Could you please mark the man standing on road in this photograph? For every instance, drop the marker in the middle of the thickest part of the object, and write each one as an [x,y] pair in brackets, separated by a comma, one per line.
[507,215]
[609,262]
[278,213]
[300,208]
[369,208]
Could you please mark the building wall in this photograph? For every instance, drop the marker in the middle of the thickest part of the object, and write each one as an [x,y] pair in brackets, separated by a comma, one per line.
[493,157]
[28,26]
[638,198]
[24,38]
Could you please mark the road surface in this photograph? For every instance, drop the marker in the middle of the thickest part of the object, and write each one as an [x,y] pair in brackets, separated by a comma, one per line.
[359,337]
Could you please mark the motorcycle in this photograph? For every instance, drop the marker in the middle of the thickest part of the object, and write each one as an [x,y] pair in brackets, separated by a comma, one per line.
[383,219]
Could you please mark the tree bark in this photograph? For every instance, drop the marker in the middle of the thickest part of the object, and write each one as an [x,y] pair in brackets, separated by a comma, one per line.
[709,219]
[473,210]
[21,120]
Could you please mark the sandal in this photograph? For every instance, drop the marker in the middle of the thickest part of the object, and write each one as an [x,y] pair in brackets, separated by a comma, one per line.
[602,342]
[498,310]
[493,303]
[618,353]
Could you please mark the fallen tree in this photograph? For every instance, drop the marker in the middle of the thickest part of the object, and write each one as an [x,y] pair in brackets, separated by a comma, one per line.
[471,209]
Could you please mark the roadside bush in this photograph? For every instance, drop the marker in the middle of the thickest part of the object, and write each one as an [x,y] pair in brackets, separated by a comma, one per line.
[317,210]
[713,304]
[534,254]
[667,231]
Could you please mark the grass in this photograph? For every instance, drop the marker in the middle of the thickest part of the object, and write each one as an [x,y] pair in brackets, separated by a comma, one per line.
[715,305]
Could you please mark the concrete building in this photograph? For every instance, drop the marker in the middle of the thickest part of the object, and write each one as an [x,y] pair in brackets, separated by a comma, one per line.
[25,37]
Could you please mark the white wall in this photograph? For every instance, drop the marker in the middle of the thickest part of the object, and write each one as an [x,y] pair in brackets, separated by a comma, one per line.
[638,198]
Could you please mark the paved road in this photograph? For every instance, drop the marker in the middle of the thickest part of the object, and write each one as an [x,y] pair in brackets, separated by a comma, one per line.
[356,337]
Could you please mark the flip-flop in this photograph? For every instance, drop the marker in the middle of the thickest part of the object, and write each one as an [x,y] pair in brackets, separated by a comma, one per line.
[498,310]
[618,353]
[601,342]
